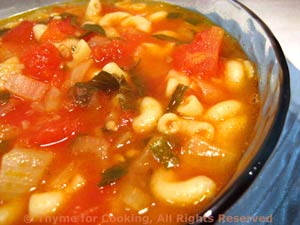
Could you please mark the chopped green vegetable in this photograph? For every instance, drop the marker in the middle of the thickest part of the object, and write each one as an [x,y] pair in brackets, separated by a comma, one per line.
[3,31]
[174,15]
[113,173]
[177,97]
[73,18]
[93,28]
[127,97]
[4,97]
[166,38]
[82,93]
[105,81]
[193,20]
[162,151]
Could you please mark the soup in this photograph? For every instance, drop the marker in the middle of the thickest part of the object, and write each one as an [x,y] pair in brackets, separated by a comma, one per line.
[119,112]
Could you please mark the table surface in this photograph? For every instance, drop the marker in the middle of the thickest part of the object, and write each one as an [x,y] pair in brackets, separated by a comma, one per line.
[283,18]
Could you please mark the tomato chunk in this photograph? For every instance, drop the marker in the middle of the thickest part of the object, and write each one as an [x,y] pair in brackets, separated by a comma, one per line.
[42,62]
[119,51]
[54,132]
[23,33]
[58,30]
[200,58]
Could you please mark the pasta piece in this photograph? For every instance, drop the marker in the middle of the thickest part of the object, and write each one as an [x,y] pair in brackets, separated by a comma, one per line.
[224,110]
[22,170]
[81,53]
[150,112]
[157,16]
[111,32]
[174,78]
[231,132]
[138,22]
[128,5]
[170,123]
[45,204]
[190,107]
[93,10]
[189,192]
[235,77]
[38,31]
[113,68]
[112,19]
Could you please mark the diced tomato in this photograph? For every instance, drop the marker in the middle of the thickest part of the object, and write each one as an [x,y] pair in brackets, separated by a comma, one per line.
[119,51]
[22,33]
[200,58]
[53,132]
[58,30]
[42,62]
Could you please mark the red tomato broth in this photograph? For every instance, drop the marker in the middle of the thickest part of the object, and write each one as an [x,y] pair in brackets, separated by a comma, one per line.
[85,109]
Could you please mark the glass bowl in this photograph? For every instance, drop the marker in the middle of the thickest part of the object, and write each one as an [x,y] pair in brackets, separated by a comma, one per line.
[263,49]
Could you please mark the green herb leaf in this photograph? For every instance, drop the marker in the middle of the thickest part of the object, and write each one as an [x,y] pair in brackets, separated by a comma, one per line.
[82,93]
[174,15]
[193,20]
[2,32]
[128,96]
[105,81]
[166,38]
[73,18]
[162,152]
[90,28]
[177,97]
[4,97]
[113,173]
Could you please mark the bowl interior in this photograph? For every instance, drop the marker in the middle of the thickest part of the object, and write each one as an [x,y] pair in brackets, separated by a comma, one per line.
[263,49]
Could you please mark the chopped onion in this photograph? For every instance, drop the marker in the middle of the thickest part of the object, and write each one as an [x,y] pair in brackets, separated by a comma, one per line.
[90,144]
[22,169]
[26,87]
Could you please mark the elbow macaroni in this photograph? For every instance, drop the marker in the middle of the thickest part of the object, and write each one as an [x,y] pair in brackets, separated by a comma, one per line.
[181,193]
[170,123]
[139,22]
[114,18]
[150,112]
[224,110]
[81,53]
[190,107]
[93,10]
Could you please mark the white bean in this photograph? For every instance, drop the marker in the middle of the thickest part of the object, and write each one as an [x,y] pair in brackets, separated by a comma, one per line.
[181,193]
[150,112]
